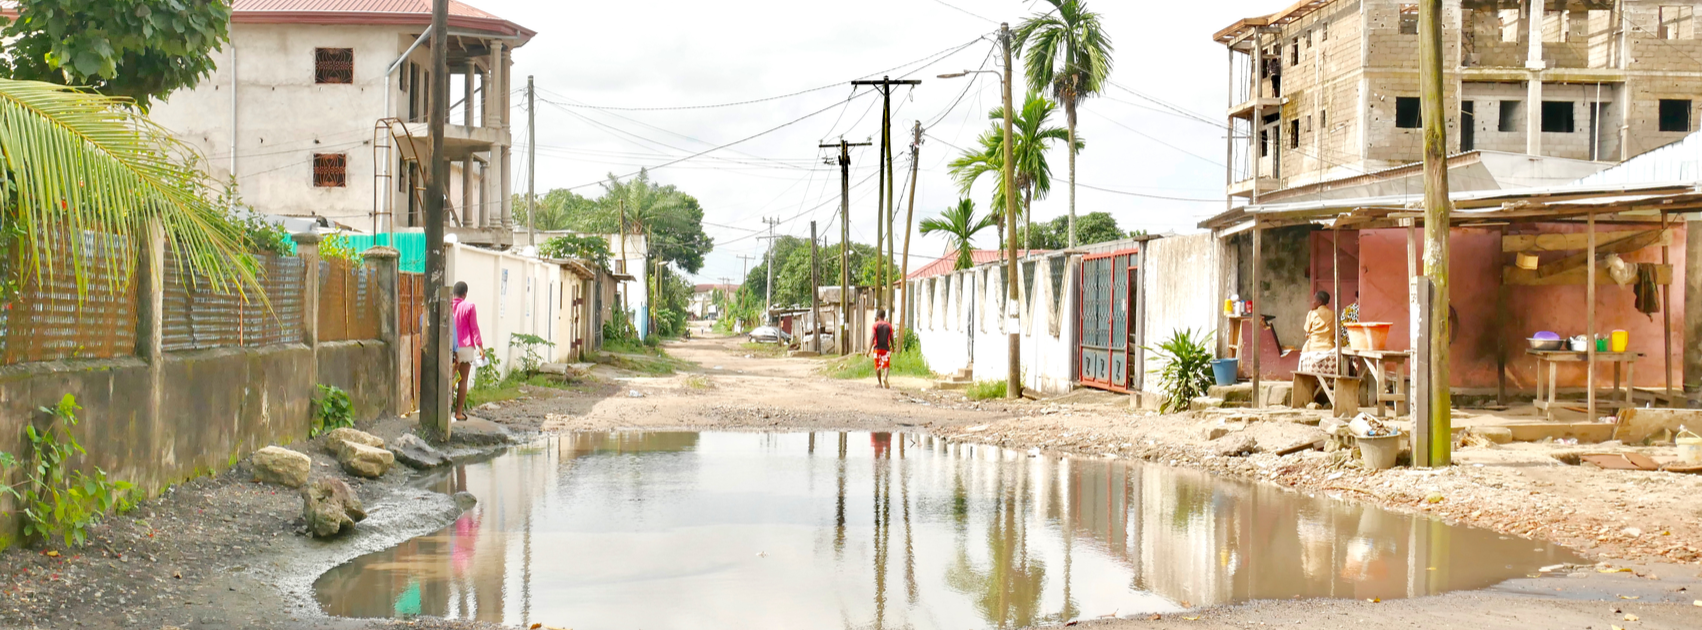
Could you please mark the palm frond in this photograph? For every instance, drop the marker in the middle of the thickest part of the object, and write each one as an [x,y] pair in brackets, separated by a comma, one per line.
[76,162]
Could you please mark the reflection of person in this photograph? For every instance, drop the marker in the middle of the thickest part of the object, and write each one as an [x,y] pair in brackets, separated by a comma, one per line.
[880,347]
[469,346]
[1318,356]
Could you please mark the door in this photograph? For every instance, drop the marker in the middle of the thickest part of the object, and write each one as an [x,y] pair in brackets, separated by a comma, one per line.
[1106,325]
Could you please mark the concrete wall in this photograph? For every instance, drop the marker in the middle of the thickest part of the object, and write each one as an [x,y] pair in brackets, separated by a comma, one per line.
[1177,279]
[961,323]
[1286,294]
[519,294]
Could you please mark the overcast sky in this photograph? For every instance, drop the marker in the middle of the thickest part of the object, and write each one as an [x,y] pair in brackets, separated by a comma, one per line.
[681,53]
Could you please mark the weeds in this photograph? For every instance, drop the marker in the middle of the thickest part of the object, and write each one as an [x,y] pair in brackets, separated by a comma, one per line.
[1186,368]
[861,366]
[770,350]
[529,345]
[986,390]
[332,410]
[58,501]
[699,381]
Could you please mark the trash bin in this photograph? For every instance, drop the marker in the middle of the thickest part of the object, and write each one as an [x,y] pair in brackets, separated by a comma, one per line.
[1379,453]
[1225,370]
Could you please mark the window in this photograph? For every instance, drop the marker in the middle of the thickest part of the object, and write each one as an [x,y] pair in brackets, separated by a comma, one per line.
[1553,26]
[1308,124]
[1294,134]
[1468,125]
[1508,116]
[330,170]
[1324,32]
[1409,19]
[1322,125]
[1557,116]
[1264,143]
[1675,115]
[1308,38]
[1511,19]
[1294,53]
[1407,113]
[333,65]
[1675,23]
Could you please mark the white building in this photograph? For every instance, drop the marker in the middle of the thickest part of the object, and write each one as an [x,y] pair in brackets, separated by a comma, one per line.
[319,108]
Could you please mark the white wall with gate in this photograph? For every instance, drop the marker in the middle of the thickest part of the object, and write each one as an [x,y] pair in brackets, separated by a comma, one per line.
[960,321]
[518,294]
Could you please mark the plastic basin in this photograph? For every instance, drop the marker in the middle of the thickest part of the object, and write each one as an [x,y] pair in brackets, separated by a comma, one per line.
[1368,335]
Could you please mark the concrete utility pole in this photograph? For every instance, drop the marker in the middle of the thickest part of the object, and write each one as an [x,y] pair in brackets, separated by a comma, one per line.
[531,161]
[815,293]
[883,223]
[1437,210]
[840,335]
[1013,376]
[909,216]
[1535,64]
[434,381]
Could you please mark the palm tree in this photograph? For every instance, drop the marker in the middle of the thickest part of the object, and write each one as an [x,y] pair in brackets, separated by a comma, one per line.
[960,224]
[72,162]
[1032,136]
[1067,50]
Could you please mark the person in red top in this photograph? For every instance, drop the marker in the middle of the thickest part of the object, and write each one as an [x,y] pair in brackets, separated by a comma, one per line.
[880,348]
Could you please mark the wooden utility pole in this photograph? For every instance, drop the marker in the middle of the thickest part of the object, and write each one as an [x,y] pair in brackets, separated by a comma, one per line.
[434,381]
[909,216]
[884,236]
[531,161]
[1013,376]
[768,300]
[841,335]
[1437,220]
[815,292]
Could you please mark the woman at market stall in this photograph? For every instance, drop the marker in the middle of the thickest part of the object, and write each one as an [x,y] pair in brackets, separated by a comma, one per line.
[1318,356]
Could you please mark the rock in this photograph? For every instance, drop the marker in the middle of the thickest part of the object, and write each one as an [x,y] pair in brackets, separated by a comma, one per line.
[330,507]
[553,368]
[1234,445]
[465,500]
[1217,431]
[490,406]
[413,451]
[1497,435]
[337,441]
[1205,402]
[479,432]
[281,466]
[366,461]
[1297,441]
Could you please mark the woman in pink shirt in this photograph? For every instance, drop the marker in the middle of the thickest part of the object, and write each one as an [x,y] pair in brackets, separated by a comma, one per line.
[469,346]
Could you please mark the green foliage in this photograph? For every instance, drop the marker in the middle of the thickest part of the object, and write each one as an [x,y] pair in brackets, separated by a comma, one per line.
[1067,51]
[264,236]
[670,219]
[332,410]
[959,223]
[530,347]
[670,298]
[336,247]
[1093,227]
[792,277]
[619,326]
[1032,136]
[592,248]
[140,49]
[861,366]
[986,390]
[56,500]
[490,373]
[1185,371]
[911,343]
[629,346]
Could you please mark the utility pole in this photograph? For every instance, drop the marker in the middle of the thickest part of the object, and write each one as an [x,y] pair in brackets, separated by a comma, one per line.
[886,201]
[1013,376]
[815,293]
[747,268]
[909,216]
[769,299]
[1437,210]
[531,160]
[434,382]
[840,335]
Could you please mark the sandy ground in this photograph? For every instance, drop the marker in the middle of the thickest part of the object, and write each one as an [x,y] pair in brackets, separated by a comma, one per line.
[225,552]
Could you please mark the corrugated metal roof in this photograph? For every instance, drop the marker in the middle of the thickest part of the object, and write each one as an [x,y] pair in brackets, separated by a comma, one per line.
[357,6]
[1676,162]
[372,12]
[947,263]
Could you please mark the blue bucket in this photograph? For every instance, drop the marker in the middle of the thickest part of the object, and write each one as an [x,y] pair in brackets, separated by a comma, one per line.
[1225,369]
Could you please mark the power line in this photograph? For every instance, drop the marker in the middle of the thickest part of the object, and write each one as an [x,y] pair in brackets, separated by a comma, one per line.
[1146,196]
[1154,139]
[966,11]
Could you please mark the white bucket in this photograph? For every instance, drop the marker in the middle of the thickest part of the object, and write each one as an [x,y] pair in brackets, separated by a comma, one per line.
[1689,447]
[1379,452]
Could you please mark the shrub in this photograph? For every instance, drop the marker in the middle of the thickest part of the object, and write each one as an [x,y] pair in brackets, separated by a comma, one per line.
[1186,368]
[529,346]
[57,500]
[332,410]
[986,390]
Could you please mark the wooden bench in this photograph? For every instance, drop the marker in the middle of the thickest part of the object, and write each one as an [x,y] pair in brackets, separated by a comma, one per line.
[1341,391]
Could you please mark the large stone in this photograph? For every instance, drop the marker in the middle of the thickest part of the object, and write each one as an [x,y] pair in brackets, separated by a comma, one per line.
[281,466]
[1234,445]
[413,451]
[330,507]
[1639,426]
[337,441]
[366,461]
[479,432]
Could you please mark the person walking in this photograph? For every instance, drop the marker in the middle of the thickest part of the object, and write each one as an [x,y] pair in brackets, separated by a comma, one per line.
[469,346]
[880,348]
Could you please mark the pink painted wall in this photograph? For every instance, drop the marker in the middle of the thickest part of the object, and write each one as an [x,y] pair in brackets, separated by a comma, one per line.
[1476,260]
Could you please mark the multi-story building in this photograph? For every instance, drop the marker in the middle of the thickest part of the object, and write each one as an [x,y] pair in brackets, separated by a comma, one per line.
[319,108]
[1324,95]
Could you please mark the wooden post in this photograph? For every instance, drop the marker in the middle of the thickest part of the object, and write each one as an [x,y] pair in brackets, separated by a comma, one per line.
[815,292]
[1423,294]
[1666,313]
[1336,297]
[1590,319]
[1438,208]
[1258,319]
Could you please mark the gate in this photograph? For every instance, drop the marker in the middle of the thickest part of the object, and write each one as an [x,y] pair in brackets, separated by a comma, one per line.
[1109,288]
[410,335]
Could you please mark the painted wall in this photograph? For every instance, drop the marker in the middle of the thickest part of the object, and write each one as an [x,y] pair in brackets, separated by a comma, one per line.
[1286,294]
[962,324]
[1177,284]
[517,294]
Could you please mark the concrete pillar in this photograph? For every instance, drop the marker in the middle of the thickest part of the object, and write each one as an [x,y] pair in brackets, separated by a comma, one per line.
[150,333]
[382,263]
[307,249]
[1693,310]
[467,188]
[505,68]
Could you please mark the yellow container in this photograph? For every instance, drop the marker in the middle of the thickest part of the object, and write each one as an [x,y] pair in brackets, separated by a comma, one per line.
[1621,340]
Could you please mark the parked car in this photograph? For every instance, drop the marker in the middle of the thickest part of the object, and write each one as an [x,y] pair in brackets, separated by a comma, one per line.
[770,334]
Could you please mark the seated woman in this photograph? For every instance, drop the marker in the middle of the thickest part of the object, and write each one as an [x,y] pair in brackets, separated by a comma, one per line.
[1318,356]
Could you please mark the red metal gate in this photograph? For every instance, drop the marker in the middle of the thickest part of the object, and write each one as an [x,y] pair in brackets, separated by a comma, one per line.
[1109,288]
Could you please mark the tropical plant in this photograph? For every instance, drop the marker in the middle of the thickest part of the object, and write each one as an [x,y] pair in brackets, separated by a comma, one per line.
[332,410]
[1093,227]
[1067,51]
[337,247]
[530,346]
[960,225]
[1185,371]
[140,49]
[592,248]
[114,171]
[57,500]
[1031,137]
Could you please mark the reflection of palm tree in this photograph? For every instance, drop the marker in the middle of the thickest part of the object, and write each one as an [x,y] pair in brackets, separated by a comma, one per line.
[1007,592]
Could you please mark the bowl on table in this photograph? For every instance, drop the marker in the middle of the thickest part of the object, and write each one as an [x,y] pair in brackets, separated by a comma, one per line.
[1546,345]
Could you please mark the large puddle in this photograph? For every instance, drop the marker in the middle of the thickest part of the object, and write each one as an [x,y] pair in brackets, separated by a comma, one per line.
[874,530]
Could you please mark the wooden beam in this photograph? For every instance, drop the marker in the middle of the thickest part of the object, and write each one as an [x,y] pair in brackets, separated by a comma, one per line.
[1514,276]
[1569,241]
[1596,248]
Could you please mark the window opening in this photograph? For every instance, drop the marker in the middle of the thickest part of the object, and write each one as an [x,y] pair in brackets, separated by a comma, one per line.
[330,170]
[1409,19]
[1508,116]
[333,65]
[1675,115]
[1408,113]
[1557,117]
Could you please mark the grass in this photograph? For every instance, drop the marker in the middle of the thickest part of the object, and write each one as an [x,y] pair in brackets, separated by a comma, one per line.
[630,346]
[985,390]
[509,388]
[699,381]
[654,364]
[861,366]
[770,350]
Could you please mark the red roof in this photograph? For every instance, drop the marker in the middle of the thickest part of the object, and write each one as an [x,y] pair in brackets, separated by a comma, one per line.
[371,12]
[947,263]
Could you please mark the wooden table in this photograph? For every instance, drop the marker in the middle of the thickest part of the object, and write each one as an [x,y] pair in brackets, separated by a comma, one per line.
[1387,371]
[1625,361]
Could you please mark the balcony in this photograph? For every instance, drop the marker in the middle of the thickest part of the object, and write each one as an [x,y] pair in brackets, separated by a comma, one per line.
[1244,188]
[1268,104]
[459,141]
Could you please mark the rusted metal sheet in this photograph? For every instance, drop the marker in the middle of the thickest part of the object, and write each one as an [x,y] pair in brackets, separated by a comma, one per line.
[51,319]
[198,317]
[348,309]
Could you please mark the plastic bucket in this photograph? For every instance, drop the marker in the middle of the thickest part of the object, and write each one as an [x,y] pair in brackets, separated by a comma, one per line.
[1379,452]
[1621,340]
[1225,370]
[1689,448]
[1368,335]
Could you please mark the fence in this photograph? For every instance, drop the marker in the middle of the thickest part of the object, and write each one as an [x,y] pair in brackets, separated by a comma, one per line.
[348,305]
[52,318]
[197,317]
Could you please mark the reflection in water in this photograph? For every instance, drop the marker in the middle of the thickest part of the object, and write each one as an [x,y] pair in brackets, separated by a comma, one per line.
[678,530]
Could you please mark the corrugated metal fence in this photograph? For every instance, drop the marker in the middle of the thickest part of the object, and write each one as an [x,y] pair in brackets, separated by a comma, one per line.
[348,304]
[198,318]
[50,321]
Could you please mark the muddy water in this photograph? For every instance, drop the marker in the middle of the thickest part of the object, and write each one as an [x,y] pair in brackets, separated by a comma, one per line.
[743,530]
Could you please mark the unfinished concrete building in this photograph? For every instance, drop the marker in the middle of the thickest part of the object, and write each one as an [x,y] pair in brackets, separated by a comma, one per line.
[1324,95]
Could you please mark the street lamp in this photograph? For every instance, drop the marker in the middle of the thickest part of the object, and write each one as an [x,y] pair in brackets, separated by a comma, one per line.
[1013,377]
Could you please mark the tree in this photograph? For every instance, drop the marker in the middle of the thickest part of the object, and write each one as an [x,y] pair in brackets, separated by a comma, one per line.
[557,210]
[1093,227]
[1068,51]
[671,221]
[792,275]
[141,49]
[1033,175]
[960,224]
[113,171]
